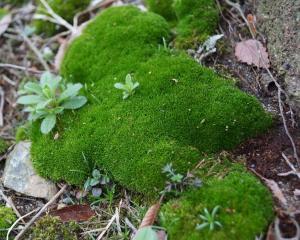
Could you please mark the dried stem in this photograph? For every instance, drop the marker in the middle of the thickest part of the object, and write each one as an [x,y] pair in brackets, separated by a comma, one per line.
[44,208]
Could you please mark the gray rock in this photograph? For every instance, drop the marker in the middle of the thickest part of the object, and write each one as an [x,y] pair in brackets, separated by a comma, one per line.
[280,21]
[20,175]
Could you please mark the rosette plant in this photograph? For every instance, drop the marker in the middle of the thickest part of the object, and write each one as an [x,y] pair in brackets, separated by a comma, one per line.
[48,98]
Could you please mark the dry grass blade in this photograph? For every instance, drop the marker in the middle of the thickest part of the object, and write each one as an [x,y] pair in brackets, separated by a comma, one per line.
[4,23]
[277,231]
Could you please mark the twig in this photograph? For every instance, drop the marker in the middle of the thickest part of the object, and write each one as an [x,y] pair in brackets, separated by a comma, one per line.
[35,50]
[293,171]
[278,232]
[107,226]
[10,203]
[2,100]
[18,220]
[40,212]
[8,65]
[58,18]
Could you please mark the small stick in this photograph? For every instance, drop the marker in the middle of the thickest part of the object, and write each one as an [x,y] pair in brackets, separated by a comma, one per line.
[10,203]
[18,220]
[107,226]
[8,65]
[35,50]
[58,18]
[61,191]
[2,100]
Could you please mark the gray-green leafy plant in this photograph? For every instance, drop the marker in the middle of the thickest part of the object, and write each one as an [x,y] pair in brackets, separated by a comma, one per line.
[178,182]
[209,220]
[128,88]
[97,179]
[48,98]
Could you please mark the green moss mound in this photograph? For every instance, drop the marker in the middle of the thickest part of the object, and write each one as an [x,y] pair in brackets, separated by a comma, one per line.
[193,20]
[179,111]
[246,209]
[7,218]
[163,8]
[64,8]
[198,20]
[50,228]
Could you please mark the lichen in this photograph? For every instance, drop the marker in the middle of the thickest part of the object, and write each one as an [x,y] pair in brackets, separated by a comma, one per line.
[180,111]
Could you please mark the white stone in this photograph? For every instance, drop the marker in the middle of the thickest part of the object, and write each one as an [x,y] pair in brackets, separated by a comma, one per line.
[20,175]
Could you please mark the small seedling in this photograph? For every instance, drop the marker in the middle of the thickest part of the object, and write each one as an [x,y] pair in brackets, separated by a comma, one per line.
[49,98]
[93,183]
[209,220]
[178,182]
[128,88]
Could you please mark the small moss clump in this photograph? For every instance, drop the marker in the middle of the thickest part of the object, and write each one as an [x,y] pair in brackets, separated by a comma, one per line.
[50,228]
[180,111]
[163,8]
[246,209]
[7,218]
[64,8]
[3,146]
[193,20]
[197,20]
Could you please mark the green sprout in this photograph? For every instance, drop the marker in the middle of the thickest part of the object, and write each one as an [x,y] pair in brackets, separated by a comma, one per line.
[209,219]
[128,88]
[48,98]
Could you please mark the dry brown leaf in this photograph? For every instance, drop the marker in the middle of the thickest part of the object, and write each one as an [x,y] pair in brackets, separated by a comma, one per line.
[76,213]
[4,23]
[252,52]
[150,216]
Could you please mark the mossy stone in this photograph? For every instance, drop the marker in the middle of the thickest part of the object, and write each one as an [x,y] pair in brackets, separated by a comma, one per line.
[67,9]
[7,218]
[180,111]
[246,209]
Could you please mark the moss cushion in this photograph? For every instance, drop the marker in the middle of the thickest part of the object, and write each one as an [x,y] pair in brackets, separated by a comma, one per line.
[180,111]
[245,209]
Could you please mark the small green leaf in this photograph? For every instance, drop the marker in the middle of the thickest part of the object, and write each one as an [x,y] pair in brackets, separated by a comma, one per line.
[75,102]
[119,86]
[96,174]
[29,99]
[48,124]
[94,182]
[71,91]
[146,233]
[46,79]
[32,87]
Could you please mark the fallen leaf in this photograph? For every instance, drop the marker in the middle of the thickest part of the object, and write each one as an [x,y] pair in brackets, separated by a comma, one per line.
[4,23]
[150,216]
[77,213]
[252,52]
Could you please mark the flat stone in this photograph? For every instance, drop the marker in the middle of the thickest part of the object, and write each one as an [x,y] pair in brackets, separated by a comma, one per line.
[20,175]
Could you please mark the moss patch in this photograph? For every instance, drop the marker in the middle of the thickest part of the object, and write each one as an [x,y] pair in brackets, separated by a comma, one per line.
[64,8]
[50,228]
[163,8]
[179,111]
[193,20]
[246,209]
[7,218]
[3,146]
